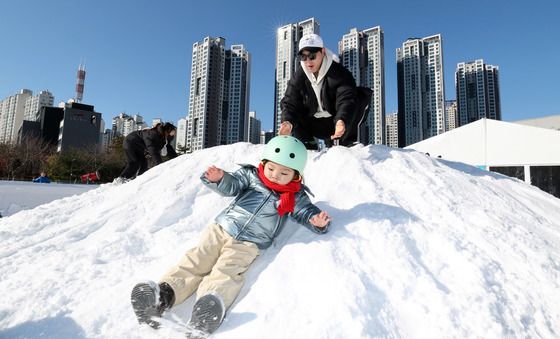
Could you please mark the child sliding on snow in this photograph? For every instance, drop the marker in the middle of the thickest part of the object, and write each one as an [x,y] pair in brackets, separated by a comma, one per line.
[264,197]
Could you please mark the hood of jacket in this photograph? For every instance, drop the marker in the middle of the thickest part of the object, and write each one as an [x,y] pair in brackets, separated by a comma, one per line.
[317,82]
[328,59]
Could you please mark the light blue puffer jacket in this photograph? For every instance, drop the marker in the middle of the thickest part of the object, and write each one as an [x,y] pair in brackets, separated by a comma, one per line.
[253,216]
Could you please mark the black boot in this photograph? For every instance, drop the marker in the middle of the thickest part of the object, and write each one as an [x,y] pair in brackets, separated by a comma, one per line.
[150,300]
[208,313]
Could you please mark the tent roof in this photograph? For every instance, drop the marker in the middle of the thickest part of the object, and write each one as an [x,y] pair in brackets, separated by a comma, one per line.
[488,142]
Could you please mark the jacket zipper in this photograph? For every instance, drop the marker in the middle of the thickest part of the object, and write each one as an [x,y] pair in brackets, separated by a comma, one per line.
[256,212]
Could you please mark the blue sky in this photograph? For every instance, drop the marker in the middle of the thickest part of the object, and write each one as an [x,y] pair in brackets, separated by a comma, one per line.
[138,52]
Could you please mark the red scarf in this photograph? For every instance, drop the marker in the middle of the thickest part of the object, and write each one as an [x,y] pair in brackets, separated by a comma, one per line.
[287,192]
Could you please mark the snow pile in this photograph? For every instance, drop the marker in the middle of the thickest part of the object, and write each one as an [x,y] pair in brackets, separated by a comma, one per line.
[19,195]
[419,248]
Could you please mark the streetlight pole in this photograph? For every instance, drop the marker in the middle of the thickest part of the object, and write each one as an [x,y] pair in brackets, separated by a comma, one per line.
[71,165]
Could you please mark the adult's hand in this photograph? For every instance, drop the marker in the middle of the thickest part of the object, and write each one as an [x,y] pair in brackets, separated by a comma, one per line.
[285,128]
[339,130]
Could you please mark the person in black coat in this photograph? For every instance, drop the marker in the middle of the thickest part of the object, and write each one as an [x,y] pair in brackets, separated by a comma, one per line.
[320,100]
[154,141]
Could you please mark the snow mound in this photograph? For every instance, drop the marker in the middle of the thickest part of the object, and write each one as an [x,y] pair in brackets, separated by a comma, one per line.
[419,248]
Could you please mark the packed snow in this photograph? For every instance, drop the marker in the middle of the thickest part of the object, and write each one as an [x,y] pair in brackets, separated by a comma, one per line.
[419,248]
[19,195]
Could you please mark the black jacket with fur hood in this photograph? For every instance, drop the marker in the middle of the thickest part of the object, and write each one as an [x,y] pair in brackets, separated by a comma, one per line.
[338,94]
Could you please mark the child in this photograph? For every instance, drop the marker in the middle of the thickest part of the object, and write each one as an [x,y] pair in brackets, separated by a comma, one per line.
[264,197]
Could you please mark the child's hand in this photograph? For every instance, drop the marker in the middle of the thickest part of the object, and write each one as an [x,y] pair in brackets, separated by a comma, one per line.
[320,220]
[214,174]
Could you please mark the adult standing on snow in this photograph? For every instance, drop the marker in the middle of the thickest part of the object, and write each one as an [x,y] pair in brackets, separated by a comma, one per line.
[154,141]
[320,100]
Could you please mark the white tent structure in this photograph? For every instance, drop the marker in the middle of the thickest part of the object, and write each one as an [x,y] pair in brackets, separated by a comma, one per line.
[550,122]
[498,145]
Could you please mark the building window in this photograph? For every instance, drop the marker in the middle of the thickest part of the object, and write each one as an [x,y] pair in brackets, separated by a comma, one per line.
[197,86]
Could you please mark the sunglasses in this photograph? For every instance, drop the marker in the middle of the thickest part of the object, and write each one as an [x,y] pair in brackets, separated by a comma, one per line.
[311,56]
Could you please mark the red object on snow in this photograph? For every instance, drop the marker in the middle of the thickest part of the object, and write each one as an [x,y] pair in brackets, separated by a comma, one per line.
[90,177]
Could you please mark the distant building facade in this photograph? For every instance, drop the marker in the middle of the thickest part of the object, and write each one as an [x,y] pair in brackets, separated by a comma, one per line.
[218,95]
[478,92]
[451,115]
[237,75]
[50,118]
[254,127]
[12,111]
[80,127]
[204,120]
[124,124]
[392,130]
[421,98]
[34,104]
[362,53]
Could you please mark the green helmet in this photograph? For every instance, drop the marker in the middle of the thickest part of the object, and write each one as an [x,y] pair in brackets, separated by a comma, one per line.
[286,151]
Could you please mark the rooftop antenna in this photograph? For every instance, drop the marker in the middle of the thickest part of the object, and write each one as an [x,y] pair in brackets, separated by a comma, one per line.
[81,77]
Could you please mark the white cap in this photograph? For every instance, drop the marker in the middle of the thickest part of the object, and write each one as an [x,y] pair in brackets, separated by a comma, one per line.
[310,40]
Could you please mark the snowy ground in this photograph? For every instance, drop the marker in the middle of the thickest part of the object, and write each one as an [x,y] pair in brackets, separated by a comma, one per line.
[19,195]
[419,248]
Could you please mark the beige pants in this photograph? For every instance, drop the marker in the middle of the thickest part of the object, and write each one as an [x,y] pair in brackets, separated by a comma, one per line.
[218,264]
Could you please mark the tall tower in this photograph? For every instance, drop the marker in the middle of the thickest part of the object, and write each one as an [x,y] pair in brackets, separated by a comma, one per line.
[80,80]
[237,76]
[204,121]
[362,54]
[478,94]
[287,40]
[420,89]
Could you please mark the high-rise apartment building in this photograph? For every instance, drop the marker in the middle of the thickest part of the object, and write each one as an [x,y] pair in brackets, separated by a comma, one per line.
[204,120]
[478,94]
[450,115]
[287,40]
[34,104]
[219,95]
[392,130]
[12,111]
[420,86]
[254,127]
[124,124]
[237,75]
[361,52]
